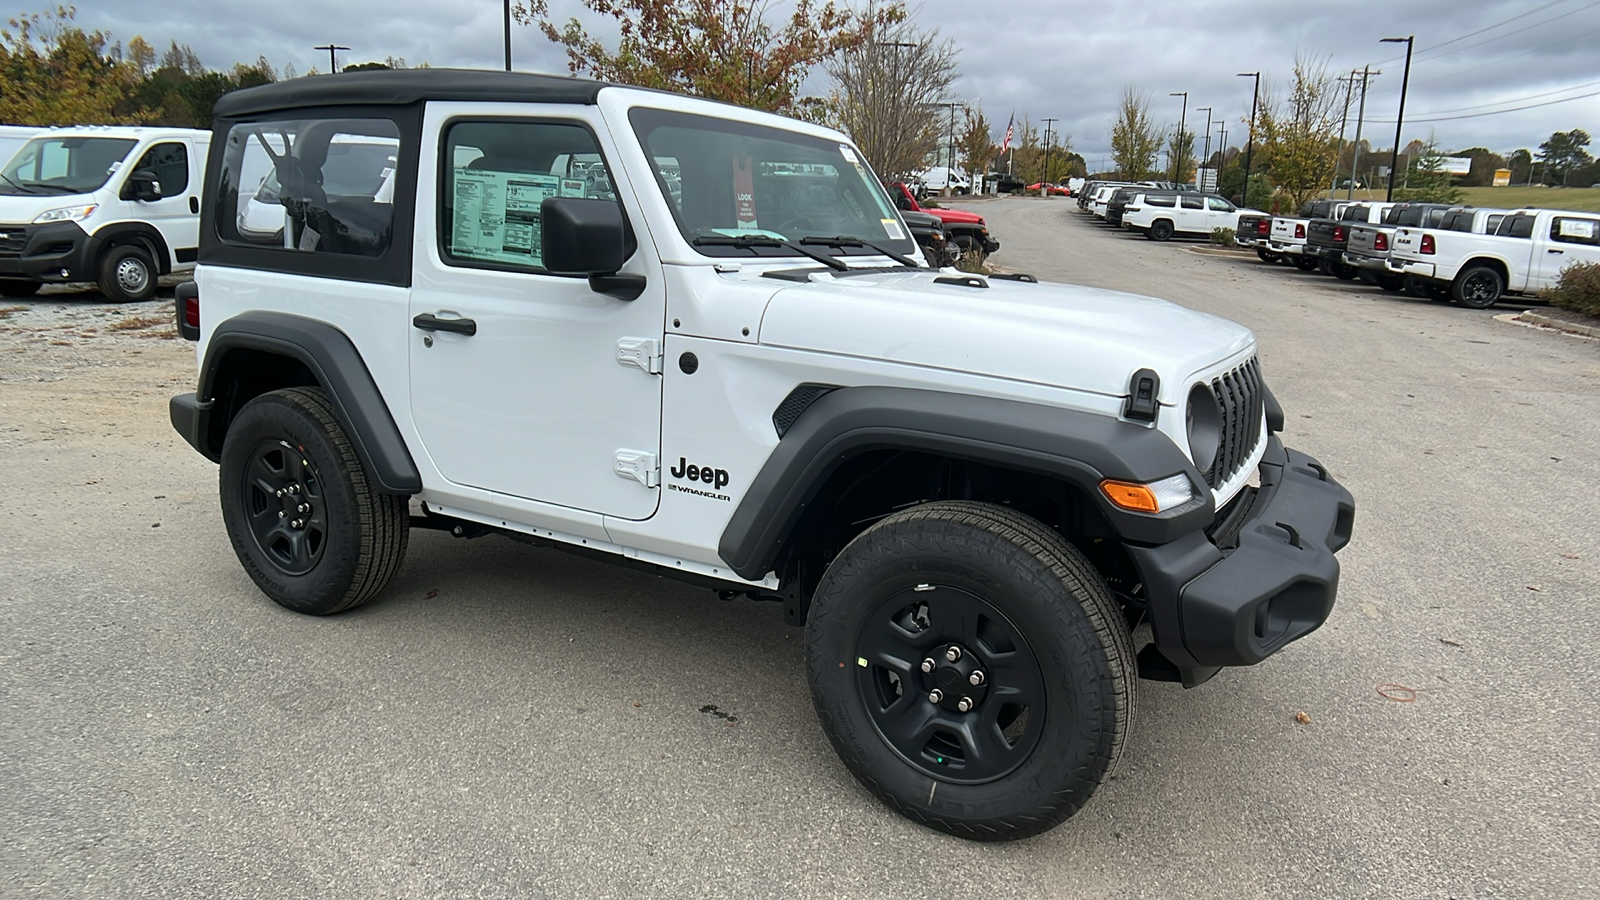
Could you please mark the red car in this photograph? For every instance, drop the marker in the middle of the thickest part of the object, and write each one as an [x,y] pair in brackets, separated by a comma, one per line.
[964,228]
[1059,190]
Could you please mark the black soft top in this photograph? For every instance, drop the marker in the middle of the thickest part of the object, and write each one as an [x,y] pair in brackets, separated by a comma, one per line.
[406,86]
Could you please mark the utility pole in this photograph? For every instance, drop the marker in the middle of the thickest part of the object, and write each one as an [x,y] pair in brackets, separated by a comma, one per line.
[1249,148]
[1399,120]
[1344,119]
[1361,115]
[1207,155]
[333,66]
[1222,155]
[950,158]
[1044,176]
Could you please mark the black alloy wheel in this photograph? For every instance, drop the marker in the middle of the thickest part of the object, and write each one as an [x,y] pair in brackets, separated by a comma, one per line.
[1479,287]
[1303,263]
[1160,230]
[1267,256]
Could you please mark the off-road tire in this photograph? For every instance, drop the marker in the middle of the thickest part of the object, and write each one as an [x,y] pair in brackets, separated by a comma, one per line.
[1038,588]
[127,275]
[1478,287]
[1160,230]
[16,290]
[292,437]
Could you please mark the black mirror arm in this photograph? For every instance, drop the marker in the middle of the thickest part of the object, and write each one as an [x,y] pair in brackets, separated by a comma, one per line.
[620,286]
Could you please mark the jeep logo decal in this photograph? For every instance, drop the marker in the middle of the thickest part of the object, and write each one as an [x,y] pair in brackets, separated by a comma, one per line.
[717,478]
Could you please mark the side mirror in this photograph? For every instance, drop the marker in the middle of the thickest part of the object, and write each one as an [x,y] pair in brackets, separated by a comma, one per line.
[143,185]
[581,237]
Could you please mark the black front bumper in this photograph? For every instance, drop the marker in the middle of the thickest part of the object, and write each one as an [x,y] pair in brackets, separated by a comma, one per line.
[54,253]
[1264,576]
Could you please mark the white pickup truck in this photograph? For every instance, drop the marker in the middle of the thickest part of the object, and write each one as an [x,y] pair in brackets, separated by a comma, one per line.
[1288,237]
[1525,254]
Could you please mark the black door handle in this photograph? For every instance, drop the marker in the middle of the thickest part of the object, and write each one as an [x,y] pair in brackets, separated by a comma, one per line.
[1555,251]
[431,322]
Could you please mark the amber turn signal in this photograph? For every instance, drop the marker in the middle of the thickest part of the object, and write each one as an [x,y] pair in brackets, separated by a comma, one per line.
[1128,495]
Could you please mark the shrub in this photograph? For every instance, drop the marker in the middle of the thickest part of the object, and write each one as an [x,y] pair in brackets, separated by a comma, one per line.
[1222,237]
[1577,289]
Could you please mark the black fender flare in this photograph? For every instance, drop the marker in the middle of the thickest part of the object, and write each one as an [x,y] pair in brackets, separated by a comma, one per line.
[1078,447]
[141,234]
[335,362]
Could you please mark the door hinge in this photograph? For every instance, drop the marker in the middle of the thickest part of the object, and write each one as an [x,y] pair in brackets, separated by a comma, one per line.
[641,353]
[640,465]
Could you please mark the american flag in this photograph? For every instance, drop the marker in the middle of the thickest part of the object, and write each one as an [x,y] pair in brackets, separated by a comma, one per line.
[1009,123]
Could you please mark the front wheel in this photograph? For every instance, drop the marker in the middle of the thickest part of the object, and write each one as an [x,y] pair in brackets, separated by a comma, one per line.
[1479,287]
[971,669]
[127,275]
[305,522]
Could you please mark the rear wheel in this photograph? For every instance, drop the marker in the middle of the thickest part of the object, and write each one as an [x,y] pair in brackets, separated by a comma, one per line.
[1303,263]
[1267,256]
[971,669]
[1479,287]
[1390,283]
[1343,271]
[19,289]
[1160,230]
[305,522]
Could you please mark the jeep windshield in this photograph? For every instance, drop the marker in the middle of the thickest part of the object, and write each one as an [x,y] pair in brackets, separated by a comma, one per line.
[63,165]
[739,179]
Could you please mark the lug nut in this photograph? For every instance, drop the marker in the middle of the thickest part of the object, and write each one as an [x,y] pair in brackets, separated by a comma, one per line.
[976,678]
[278,493]
[282,514]
[294,488]
[935,695]
[927,664]
[306,507]
[964,704]
[953,654]
[297,523]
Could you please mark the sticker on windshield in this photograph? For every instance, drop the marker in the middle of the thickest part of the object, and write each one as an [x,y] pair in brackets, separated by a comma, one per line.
[849,155]
[1578,228]
[892,228]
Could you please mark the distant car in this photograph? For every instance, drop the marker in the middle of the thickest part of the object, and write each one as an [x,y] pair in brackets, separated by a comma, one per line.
[1054,189]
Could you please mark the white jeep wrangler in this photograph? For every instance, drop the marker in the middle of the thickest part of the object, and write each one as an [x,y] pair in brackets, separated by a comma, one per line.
[969,490]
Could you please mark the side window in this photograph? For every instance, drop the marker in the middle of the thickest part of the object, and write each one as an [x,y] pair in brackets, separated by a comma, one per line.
[1190,202]
[1516,226]
[320,186]
[1156,200]
[1575,231]
[170,164]
[1493,224]
[500,174]
[1217,204]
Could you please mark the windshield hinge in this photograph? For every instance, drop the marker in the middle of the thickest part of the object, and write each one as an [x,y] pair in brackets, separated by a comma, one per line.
[640,465]
[640,353]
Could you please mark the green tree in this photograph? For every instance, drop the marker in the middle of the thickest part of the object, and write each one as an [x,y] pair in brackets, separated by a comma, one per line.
[722,49]
[1297,137]
[1426,179]
[975,146]
[54,73]
[1563,153]
[1180,149]
[1135,140]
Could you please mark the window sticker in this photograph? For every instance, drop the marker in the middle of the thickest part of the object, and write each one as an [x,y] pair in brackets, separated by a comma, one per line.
[891,227]
[849,155]
[497,215]
[573,187]
[1578,228]
[744,191]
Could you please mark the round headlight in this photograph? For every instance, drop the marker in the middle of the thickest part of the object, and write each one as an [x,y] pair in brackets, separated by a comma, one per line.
[1204,422]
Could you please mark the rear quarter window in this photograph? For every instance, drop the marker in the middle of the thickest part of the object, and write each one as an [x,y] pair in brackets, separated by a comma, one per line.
[1167,202]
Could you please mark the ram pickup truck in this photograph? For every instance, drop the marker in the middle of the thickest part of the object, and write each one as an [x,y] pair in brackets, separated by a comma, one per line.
[1367,246]
[966,229]
[1525,254]
[1255,232]
[1289,232]
[1326,238]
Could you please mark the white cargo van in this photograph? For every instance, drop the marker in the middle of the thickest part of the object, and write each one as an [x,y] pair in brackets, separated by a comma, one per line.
[117,206]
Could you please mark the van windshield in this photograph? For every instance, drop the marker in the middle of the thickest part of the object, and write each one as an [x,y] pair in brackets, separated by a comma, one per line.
[724,178]
[64,165]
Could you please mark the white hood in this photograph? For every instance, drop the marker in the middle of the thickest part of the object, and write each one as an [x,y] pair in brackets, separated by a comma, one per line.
[1056,334]
[22,209]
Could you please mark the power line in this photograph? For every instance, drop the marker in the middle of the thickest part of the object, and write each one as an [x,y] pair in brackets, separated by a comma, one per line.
[1500,111]
[1517,18]
[1474,106]
[1519,30]
[1502,61]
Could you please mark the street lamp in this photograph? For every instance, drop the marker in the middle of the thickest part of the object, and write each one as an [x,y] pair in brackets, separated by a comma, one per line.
[1405,81]
[1207,155]
[1249,148]
[1182,116]
[950,158]
[508,35]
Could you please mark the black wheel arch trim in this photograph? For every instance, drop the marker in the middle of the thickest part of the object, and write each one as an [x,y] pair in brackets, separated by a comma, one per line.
[1080,448]
[139,234]
[338,368]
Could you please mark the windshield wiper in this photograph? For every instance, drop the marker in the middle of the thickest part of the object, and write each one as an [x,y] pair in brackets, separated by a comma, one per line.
[750,241]
[844,240]
[15,185]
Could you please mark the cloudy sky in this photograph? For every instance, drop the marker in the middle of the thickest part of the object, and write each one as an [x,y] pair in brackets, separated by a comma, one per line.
[1042,58]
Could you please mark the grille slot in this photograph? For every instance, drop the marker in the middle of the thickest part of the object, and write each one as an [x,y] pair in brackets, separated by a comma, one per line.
[1242,402]
[13,241]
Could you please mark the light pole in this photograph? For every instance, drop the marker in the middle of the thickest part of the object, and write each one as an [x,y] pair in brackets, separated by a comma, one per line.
[1250,147]
[1206,155]
[333,66]
[1177,166]
[1405,81]
[1044,176]
[508,35]
[950,158]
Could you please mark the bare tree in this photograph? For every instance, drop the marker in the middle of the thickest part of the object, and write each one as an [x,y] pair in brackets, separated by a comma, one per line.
[1297,136]
[887,86]
[1135,140]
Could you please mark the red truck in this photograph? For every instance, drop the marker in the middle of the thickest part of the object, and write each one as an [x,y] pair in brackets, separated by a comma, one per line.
[966,229]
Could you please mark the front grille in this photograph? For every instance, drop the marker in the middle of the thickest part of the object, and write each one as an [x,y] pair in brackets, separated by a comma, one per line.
[12,239]
[1242,402]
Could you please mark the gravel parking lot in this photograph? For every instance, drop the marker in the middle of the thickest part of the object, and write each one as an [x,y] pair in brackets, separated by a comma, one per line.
[515,722]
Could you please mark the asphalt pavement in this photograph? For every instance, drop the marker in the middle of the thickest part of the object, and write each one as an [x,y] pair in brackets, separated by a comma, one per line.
[514,722]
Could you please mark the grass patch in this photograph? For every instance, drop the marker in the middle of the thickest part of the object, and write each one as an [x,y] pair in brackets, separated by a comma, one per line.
[139,323]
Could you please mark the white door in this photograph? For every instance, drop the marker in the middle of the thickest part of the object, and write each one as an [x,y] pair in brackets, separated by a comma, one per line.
[537,402]
[1221,214]
[1192,214]
[177,214]
[1572,239]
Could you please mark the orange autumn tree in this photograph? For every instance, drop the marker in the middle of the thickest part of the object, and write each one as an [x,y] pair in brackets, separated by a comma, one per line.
[721,49]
